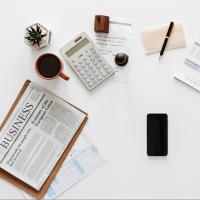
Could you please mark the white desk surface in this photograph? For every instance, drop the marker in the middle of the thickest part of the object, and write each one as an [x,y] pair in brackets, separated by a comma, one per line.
[117,111]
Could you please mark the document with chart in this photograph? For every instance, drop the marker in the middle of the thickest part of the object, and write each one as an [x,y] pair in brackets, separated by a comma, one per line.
[193,59]
[36,134]
[191,75]
[84,158]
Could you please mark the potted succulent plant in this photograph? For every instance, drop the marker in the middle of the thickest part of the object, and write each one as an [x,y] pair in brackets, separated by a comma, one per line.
[37,36]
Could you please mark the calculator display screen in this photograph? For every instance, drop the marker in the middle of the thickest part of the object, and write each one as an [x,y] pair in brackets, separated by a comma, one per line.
[77,47]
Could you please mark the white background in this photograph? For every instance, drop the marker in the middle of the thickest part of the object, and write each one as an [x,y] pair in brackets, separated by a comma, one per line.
[117,111]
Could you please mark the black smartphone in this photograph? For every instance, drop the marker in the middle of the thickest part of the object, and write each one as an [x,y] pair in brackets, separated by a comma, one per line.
[157,134]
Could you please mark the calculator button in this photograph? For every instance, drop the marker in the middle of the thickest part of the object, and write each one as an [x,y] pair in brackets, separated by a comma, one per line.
[99,59]
[102,72]
[98,67]
[97,55]
[93,70]
[92,59]
[80,62]
[90,66]
[84,59]
[86,69]
[87,62]
[105,67]
[91,48]
[73,61]
[95,63]
[87,79]
[81,66]
[95,80]
[75,66]
[82,72]
[99,78]
[89,73]
[89,54]
[90,84]
[96,74]
[102,64]
[78,69]
[85,76]
[108,71]
[92,77]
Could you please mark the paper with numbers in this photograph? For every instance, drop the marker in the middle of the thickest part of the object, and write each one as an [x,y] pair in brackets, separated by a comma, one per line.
[84,158]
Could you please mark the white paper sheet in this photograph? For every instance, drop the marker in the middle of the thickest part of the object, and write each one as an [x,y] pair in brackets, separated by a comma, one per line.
[193,59]
[118,40]
[191,75]
[84,158]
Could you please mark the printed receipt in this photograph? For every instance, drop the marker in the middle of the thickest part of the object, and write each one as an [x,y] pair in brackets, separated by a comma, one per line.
[118,40]
[84,158]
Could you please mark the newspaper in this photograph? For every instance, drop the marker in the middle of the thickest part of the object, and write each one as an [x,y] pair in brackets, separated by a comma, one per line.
[36,134]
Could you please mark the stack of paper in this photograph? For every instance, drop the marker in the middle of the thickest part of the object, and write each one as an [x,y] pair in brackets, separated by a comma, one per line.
[84,158]
[193,59]
[188,75]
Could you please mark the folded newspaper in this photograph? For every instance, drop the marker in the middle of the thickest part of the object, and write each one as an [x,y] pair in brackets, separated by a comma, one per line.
[36,135]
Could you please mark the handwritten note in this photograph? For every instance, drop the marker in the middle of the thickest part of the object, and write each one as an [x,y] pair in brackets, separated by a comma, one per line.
[118,40]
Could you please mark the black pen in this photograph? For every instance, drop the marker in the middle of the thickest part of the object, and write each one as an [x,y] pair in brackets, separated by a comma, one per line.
[166,38]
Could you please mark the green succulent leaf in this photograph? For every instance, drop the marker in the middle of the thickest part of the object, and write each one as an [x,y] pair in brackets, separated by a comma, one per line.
[29,31]
[28,38]
[33,30]
[37,28]
[43,35]
[38,43]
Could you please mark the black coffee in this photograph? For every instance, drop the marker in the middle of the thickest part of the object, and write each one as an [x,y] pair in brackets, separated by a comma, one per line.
[49,66]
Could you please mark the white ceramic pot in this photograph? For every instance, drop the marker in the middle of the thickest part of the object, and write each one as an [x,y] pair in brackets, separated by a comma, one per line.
[45,41]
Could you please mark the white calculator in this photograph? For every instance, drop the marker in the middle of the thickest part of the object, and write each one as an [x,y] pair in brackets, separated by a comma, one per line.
[85,59]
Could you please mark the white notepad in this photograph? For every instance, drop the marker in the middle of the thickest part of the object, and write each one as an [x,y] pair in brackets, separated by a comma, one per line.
[153,38]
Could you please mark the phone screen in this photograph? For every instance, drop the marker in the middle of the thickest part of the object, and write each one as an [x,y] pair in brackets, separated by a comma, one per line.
[157,134]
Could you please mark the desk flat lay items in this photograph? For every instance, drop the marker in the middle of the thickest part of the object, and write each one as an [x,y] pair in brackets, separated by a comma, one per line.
[36,136]
[40,149]
[86,60]
[153,38]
